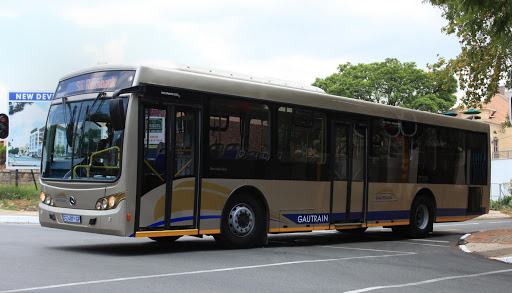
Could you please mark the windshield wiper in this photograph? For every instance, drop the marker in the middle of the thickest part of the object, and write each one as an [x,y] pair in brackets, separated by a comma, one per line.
[98,97]
[86,117]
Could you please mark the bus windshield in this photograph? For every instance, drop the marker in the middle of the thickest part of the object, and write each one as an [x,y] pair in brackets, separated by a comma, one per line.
[80,143]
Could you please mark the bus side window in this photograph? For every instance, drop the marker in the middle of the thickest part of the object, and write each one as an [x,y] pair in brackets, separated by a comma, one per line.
[238,130]
[301,136]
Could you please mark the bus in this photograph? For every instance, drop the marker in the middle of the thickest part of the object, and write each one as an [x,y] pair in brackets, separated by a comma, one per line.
[141,151]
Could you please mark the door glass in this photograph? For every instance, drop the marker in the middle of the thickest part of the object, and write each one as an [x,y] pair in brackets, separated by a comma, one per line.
[358,153]
[185,144]
[340,172]
[154,165]
[184,180]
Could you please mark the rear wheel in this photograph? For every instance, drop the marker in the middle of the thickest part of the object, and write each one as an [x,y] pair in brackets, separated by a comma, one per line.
[242,223]
[421,221]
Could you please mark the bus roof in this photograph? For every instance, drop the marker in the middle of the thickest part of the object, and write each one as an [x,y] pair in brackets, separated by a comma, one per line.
[235,84]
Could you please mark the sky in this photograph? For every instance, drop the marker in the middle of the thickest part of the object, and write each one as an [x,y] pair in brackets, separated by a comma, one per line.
[290,40]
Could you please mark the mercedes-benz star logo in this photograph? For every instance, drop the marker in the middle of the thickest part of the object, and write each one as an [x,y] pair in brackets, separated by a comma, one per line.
[72,200]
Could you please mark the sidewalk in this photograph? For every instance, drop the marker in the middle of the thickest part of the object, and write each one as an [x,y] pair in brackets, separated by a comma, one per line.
[494,244]
[24,217]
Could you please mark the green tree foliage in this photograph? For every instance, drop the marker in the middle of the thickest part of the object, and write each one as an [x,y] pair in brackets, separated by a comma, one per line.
[17,107]
[394,83]
[485,31]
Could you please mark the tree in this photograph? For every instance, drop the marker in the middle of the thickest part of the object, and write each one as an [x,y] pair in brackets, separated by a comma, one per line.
[485,32]
[15,107]
[394,83]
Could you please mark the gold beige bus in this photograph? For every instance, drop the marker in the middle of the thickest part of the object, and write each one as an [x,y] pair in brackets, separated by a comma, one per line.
[162,153]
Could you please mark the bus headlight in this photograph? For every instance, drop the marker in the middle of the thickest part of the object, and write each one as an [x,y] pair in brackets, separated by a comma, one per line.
[46,199]
[110,202]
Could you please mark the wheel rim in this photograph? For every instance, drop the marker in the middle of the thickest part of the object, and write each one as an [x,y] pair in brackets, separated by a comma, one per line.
[422,217]
[241,220]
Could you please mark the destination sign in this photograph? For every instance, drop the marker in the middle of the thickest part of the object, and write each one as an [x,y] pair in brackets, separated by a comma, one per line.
[95,82]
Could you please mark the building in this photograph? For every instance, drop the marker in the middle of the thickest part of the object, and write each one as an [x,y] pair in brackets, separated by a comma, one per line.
[494,113]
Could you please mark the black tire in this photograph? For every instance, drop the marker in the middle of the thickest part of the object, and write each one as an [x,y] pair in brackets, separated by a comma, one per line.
[166,239]
[422,218]
[242,223]
[353,231]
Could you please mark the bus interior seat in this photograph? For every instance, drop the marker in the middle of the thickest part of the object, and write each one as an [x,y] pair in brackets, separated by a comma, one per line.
[160,158]
[252,155]
[231,151]
[265,156]
[216,150]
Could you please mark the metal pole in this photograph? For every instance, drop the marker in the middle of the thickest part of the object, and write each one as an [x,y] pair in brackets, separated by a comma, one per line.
[16,178]
[33,178]
[499,197]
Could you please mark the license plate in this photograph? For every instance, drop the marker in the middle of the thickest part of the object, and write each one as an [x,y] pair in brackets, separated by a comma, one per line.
[71,219]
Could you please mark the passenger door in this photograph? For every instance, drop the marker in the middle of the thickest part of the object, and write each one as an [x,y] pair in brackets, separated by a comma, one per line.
[350,168]
[168,179]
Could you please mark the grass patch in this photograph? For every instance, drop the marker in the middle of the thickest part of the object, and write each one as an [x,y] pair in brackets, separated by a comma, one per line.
[506,210]
[18,198]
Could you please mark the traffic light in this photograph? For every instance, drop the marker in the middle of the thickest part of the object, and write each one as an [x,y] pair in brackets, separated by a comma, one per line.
[4,126]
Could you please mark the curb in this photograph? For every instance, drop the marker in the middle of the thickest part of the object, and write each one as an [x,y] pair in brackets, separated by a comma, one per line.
[19,219]
[462,246]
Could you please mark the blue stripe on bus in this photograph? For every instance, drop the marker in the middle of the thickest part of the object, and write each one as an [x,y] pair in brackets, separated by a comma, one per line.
[388,215]
[323,217]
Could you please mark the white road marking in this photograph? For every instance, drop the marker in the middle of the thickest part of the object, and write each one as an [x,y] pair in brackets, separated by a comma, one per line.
[465,236]
[464,248]
[428,240]
[424,244]
[507,259]
[499,222]
[210,271]
[449,225]
[368,249]
[429,281]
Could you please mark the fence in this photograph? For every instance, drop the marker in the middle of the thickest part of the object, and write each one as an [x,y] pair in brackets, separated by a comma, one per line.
[502,155]
[22,177]
[498,191]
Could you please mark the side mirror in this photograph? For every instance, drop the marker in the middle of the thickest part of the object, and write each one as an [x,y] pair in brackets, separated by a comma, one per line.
[117,115]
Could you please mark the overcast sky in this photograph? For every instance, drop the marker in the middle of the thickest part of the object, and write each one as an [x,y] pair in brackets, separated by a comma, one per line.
[291,40]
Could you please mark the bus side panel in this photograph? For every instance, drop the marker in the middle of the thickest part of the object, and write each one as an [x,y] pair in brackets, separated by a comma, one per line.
[151,206]
[339,201]
[296,205]
[389,203]
[214,194]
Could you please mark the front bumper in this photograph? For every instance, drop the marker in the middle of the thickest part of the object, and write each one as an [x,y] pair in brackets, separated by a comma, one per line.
[111,222]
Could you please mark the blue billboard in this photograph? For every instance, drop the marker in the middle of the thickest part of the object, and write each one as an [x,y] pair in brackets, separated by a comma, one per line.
[27,123]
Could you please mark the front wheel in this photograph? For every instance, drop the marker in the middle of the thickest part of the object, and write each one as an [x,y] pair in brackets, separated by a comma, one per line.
[422,218]
[242,223]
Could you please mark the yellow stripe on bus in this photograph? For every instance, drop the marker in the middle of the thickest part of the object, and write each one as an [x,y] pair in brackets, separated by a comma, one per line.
[166,233]
[214,231]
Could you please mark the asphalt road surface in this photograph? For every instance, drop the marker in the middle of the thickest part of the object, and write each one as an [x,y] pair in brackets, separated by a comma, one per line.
[36,259]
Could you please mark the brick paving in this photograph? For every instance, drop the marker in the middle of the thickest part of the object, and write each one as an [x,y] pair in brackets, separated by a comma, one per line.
[494,236]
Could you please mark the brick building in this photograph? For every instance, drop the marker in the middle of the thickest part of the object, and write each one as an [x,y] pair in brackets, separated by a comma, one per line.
[495,113]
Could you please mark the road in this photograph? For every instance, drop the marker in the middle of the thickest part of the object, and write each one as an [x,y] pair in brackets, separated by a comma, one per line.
[36,259]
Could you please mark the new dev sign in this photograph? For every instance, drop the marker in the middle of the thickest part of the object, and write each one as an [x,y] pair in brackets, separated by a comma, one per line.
[30,96]
[27,119]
